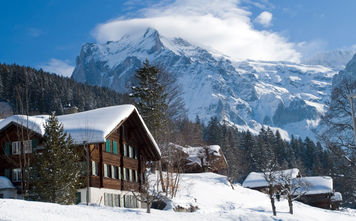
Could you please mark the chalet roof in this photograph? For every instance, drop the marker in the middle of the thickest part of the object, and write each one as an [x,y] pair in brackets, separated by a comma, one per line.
[336,197]
[195,153]
[317,185]
[257,180]
[89,126]
[5,183]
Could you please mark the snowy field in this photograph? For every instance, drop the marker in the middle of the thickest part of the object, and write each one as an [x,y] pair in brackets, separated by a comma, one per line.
[210,192]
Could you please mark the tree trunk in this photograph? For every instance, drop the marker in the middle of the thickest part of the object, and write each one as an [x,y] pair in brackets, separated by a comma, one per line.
[161,176]
[290,203]
[270,193]
[273,206]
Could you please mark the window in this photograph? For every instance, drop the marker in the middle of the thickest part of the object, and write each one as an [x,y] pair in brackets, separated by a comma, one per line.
[108,146]
[112,199]
[16,175]
[127,201]
[125,150]
[114,172]
[130,175]
[107,170]
[1,196]
[130,201]
[136,153]
[108,199]
[130,152]
[114,147]
[116,200]
[27,146]
[16,147]
[94,168]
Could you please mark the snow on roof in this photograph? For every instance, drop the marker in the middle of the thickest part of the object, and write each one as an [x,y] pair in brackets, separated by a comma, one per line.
[336,197]
[317,185]
[35,123]
[255,180]
[196,153]
[91,126]
[5,183]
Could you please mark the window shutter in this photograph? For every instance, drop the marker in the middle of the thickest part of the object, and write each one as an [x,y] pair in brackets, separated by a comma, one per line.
[113,172]
[7,148]
[125,175]
[34,143]
[7,173]
[125,150]
[105,199]
[130,152]
[114,147]
[105,171]
[107,147]
[130,175]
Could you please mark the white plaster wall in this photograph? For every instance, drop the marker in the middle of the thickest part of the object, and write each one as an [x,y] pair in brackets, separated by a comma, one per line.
[96,195]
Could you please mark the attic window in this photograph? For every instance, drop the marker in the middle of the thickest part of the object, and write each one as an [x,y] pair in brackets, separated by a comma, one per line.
[16,147]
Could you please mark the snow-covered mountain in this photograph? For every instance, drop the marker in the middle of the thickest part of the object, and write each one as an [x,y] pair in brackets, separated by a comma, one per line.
[246,94]
[336,59]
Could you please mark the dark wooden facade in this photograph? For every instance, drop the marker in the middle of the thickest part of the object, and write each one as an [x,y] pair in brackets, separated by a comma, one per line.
[318,200]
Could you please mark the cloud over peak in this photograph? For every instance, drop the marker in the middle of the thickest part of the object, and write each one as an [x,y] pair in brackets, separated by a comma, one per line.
[221,25]
[58,67]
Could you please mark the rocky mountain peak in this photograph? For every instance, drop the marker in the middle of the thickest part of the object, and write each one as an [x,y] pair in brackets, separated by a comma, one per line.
[247,94]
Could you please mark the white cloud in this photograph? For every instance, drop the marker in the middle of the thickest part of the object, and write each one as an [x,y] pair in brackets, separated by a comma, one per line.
[58,67]
[221,25]
[265,18]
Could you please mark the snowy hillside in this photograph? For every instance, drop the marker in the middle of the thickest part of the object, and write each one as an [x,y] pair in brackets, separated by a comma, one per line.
[247,94]
[210,192]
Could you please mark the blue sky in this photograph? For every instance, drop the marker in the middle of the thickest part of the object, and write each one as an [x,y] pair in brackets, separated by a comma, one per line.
[50,33]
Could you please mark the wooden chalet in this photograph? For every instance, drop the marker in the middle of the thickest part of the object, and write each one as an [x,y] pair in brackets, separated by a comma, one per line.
[319,192]
[118,139]
[257,181]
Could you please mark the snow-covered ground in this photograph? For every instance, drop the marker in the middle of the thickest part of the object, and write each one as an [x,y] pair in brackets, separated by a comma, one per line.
[210,192]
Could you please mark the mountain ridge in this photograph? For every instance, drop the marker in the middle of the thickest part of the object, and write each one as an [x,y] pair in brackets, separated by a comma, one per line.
[246,94]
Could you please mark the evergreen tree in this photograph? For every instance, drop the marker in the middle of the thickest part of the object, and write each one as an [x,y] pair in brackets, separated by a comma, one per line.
[56,169]
[150,95]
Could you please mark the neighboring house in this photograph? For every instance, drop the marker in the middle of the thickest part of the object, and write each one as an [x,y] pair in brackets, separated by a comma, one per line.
[336,199]
[120,145]
[7,189]
[208,158]
[317,192]
[258,182]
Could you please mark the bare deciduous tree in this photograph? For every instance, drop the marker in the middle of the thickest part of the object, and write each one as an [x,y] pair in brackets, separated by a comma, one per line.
[150,190]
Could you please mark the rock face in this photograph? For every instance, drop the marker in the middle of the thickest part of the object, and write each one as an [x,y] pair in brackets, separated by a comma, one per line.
[246,94]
